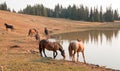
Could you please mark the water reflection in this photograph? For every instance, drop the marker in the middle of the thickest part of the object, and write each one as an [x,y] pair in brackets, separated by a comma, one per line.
[92,35]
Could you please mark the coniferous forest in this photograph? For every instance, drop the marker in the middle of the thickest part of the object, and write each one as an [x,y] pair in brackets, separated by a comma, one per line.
[81,13]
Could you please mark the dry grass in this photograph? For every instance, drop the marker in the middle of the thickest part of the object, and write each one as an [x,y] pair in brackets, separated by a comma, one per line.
[14,46]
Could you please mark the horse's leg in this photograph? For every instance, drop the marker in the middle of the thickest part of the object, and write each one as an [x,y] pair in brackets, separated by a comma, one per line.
[83,56]
[12,29]
[44,52]
[73,58]
[6,29]
[55,54]
[40,49]
[77,56]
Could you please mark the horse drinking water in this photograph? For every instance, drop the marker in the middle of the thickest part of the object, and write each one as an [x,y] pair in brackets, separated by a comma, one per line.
[51,46]
[76,47]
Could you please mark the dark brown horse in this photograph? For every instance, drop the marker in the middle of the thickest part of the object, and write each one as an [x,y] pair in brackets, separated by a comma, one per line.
[76,47]
[9,26]
[34,32]
[51,46]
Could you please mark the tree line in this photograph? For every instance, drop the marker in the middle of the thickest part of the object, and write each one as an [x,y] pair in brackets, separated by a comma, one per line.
[82,13]
[73,12]
[3,6]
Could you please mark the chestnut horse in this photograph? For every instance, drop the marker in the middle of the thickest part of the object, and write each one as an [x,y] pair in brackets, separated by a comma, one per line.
[34,32]
[76,47]
[51,46]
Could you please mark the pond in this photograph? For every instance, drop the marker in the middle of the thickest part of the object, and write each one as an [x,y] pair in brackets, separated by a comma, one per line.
[102,47]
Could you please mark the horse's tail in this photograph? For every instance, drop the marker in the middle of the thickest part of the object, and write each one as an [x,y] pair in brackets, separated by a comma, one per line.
[70,50]
[29,32]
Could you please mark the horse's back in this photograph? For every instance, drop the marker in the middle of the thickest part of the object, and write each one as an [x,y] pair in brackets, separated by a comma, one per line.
[53,46]
[81,46]
[57,45]
[77,45]
[72,46]
[50,45]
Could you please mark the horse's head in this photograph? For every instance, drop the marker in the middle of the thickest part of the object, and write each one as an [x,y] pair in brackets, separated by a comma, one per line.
[5,24]
[61,50]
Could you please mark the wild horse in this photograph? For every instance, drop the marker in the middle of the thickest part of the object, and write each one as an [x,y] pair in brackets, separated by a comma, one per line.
[76,47]
[51,46]
[34,32]
[9,26]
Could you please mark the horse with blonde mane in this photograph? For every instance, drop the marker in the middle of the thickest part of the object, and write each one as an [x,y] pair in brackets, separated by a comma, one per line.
[51,46]
[76,47]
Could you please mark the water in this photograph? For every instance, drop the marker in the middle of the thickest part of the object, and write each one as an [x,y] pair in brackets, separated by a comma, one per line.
[102,47]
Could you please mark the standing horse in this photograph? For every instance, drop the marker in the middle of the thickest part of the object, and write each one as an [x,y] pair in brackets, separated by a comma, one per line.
[9,26]
[76,47]
[51,46]
[34,32]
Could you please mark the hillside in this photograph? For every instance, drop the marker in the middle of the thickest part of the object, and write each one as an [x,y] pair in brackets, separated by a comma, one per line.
[25,22]
[15,46]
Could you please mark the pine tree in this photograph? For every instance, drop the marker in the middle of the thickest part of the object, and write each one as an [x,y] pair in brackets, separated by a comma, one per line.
[73,12]
[101,15]
[86,14]
[91,18]
[3,6]
[57,11]
[116,15]
[108,15]
[96,15]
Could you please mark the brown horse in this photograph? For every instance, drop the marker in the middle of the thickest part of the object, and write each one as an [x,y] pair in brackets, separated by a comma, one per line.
[34,32]
[76,47]
[51,46]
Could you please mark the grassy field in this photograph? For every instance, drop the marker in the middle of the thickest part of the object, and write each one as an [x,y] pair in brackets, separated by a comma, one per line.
[15,47]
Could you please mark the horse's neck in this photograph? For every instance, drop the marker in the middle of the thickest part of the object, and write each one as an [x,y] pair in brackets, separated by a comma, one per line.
[61,49]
